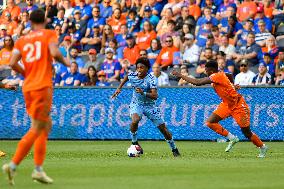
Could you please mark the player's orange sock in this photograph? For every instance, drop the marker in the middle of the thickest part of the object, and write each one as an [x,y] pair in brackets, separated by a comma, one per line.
[256,140]
[24,146]
[217,128]
[40,148]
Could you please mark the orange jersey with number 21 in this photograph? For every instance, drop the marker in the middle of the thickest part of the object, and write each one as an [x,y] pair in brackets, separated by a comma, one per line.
[36,58]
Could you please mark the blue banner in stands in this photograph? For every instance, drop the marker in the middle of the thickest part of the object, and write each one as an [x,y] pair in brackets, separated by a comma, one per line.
[88,113]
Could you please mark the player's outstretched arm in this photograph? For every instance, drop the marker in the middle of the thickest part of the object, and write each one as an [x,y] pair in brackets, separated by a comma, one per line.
[16,57]
[197,82]
[118,90]
[56,54]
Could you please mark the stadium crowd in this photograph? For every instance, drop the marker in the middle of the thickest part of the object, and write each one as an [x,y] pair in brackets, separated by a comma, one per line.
[103,38]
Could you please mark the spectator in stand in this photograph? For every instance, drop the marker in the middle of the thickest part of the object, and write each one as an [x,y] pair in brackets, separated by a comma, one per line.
[80,25]
[184,71]
[211,5]
[200,69]
[262,34]
[191,52]
[154,51]
[280,63]
[125,69]
[230,23]
[158,6]
[102,81]
[121,38]
[107,36]
[118,52]
[85,9]
[278,14]
[209,44]
[222,65]
[59,19]
[50,12]
[263,77]
[148,16]
[91,77]
[105,9]
[132,21]
[175,5]
[57,29]
[143,53]
[227,48]
[163,23]
[3,33]
[280,77]
[25,24]
[269,64]
[183,18]
[145,37]
[162,77]
[171,32]
[204,20]
[216,34]
[72,78]
[116,21]
[203,33]
[229,64]
[68,9]
[96,20]
[271,47]
[222,9]
[5,55]
[93,40]
[14,79]
[13,9]
[30,6]
[208,54]
[260,16]
[165,58]
[250,51]
[194,9]
[131,52]
[246,10]
[11,25]
[111,67]
[95,60]
[241,35]
[245,76]
[56,78]
[268,8]
[73,56]
[186,29]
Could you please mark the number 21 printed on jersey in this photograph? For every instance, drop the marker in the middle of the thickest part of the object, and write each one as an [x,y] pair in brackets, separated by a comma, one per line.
[33,51]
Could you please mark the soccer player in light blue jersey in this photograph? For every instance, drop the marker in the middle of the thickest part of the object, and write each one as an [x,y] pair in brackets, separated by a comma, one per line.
[144,102]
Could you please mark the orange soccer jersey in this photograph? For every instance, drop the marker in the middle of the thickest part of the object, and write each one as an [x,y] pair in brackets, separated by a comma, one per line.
[37,61]
[233,104]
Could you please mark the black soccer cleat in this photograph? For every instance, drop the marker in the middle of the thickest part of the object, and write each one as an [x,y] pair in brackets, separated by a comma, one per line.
[176,152]
[141,149]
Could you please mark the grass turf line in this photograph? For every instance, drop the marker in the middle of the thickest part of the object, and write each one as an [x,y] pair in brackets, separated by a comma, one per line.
[104,164]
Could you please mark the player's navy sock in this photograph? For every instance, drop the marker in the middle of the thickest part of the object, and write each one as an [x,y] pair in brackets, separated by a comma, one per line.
[39,168]
[134,137]
[171,143]
[13,166]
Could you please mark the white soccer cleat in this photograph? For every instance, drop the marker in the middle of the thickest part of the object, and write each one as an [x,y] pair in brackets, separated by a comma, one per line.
[10,172]
[41,177]
[231,144]
[262,151]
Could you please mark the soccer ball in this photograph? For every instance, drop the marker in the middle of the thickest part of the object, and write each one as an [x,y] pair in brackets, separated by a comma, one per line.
[134,151]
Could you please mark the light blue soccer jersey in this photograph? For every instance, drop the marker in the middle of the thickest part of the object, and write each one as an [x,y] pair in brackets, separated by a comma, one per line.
[149,82]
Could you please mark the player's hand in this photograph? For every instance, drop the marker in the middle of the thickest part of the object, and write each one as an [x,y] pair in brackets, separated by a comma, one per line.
[139,90]
[116,93]
[176,73]
[237,86]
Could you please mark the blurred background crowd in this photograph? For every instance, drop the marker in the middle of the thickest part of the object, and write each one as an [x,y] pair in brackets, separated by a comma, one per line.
[103,38]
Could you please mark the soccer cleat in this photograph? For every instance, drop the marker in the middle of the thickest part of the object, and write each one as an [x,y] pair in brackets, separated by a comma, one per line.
[2,154]
[10,172]
[41,177]
[262,151]
[141,149]
[231,144]
[176,152]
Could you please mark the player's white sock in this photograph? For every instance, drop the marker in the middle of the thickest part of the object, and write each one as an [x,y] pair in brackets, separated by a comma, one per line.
[230,136]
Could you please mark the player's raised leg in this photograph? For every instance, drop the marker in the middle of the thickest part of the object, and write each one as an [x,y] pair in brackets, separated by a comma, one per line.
[136,115]
[168,136]
[213,123]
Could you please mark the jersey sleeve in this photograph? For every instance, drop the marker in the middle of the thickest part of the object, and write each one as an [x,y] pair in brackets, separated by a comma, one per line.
[153,82]
[215,78]
[52,38]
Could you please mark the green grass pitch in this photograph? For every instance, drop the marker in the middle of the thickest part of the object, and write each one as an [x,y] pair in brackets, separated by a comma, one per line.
[104,164]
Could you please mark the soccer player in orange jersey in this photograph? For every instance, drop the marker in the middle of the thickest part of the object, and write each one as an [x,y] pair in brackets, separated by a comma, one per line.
[36,50]
[233,104]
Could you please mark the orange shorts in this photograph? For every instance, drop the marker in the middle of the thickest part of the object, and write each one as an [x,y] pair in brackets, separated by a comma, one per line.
[38,103]
[240,112]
